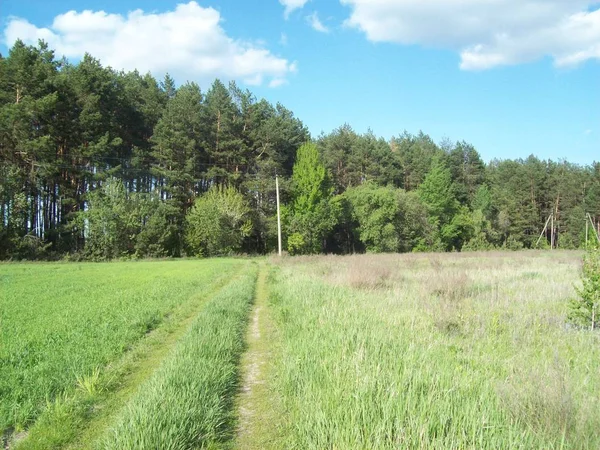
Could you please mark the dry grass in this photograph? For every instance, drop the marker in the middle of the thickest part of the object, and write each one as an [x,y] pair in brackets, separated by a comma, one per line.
[481,335]
[541,398]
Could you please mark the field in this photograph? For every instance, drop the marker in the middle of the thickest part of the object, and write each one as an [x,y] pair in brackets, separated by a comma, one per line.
[374,351]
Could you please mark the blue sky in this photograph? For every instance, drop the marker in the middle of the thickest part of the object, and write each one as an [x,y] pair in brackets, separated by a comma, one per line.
[512,77]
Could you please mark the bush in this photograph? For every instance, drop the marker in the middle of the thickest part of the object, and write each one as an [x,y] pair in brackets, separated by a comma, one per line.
[477,244]
[218,223]
[584,310]
[295,243]
[512,243]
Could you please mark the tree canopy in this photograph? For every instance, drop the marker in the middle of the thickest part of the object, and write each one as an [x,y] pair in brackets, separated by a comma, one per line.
[97,163]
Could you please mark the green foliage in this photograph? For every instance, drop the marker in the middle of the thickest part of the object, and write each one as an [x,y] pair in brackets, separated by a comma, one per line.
[218,222]
[159,236]
[585,310]
[437,192]
[467,171]
[388,219]
[121,224]
[482,201]
[353,159]
[461,229]
[376,210]
[177,149]
[310,179]
[111,221]
[513,243]
[312,214]
[67,128]
[295,244]
[414,227]
[417,155]
[483,234]
[452,220]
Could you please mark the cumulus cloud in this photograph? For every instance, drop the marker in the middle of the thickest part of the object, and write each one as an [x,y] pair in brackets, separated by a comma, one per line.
[486,33]
[314,21]
[292,5]
[188,42]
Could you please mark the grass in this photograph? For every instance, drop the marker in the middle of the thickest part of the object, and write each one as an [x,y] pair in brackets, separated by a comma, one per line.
[189,400]
[375,351]
[82,417]
[256,405]
[62,324]
[433,351]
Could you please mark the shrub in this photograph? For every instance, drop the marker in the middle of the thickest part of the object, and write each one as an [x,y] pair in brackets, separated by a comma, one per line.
[584,310]
[295,243]
[218,223]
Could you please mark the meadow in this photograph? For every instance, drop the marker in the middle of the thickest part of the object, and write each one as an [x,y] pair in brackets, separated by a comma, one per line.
[468,350]
[433,351]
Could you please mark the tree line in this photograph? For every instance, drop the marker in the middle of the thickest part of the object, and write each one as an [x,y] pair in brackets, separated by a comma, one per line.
[97,163]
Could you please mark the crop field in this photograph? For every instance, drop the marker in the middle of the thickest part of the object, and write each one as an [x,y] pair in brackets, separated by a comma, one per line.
[62,324]
[467,350]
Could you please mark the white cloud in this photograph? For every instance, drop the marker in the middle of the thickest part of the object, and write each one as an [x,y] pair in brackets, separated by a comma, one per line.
[486,33]
[587,132]
[188,42]
[316,23]
[292,5]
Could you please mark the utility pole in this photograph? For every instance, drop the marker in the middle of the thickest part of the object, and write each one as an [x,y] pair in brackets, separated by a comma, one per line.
[552,232]
[597,233]
[587,226]
[543,231]
[278,215]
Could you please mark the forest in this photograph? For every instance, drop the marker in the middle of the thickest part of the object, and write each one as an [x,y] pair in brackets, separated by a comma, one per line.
[100,164]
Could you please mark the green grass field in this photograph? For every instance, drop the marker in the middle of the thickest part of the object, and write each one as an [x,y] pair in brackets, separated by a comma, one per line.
[376,351]
[61,323]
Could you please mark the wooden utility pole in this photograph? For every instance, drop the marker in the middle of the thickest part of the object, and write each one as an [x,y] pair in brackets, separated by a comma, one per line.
[587,226]
[278,216]
[597,233]
[552,231]
[543,231]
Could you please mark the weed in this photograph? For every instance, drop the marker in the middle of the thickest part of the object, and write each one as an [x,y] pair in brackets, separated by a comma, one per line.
[90,383]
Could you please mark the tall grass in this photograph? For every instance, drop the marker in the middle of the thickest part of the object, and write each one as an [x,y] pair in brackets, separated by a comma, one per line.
[449,351]
[188,402]
[59,323]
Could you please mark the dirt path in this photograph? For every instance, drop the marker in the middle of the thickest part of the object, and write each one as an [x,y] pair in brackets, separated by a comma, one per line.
[257,417]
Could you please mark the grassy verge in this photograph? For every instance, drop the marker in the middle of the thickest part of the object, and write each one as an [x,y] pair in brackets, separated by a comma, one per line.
[60,324]
[188,402]
[451,352]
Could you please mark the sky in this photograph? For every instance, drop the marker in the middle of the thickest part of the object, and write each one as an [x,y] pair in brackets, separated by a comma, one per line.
[511,77]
